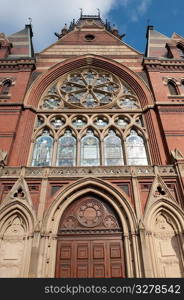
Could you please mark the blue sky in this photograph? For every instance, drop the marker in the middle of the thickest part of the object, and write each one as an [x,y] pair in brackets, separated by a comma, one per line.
[130,16]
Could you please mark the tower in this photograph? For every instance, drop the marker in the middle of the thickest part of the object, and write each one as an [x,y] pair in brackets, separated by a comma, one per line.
[91,159]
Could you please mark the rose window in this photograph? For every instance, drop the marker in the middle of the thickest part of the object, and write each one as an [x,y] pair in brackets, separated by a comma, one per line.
[89,88]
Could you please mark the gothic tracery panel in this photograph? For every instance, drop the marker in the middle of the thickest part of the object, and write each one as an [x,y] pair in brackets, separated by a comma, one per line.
[89,87]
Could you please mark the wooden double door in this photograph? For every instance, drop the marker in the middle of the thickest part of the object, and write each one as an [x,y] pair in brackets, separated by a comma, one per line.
[90,241]
[90,258]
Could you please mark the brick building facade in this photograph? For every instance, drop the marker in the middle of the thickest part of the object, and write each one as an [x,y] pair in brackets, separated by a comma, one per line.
[91,154]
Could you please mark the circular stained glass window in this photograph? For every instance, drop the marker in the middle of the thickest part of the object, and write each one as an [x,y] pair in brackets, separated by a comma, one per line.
[89,88]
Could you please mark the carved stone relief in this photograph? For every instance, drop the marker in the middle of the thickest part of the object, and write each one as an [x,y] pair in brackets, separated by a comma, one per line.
[88,213]
[12,245]
[166,248]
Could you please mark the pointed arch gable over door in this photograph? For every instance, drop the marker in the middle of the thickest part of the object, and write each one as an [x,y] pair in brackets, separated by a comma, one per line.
[106,194]
[90,241]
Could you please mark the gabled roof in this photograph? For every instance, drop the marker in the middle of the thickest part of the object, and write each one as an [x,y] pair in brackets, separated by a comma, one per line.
[22,43]
[156,43]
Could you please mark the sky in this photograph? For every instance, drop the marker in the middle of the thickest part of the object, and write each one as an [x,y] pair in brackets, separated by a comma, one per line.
[130,16]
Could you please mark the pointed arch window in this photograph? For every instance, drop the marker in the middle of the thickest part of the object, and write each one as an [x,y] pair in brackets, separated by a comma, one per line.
[180,51]
[42,153]
[6,86]
[66,154]
[90,153]
[172,88]
[113,154]
[135,149]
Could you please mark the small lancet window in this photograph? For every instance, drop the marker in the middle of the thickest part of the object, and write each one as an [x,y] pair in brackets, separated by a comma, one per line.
[42,153]
[90,153]
[66,154]
[180,51]
[172,88]
[135,149]
[113,150]
[6,87]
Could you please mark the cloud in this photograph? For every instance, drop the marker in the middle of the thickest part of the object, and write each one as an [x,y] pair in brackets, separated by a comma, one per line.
[144,6]
[141,8]
[47,16]
[50,16]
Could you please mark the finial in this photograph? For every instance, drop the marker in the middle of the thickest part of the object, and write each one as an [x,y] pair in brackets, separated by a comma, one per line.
[81,12]
[98,10]
[30,20]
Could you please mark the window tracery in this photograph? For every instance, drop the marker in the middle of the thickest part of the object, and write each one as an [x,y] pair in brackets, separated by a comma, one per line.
[112,140]
[89,87]
[89,137]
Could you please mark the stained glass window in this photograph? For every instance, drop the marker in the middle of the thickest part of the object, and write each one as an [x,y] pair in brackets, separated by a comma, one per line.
[43,147]
[51,103]
[90,154]
[79,123]
[122,122]
[89,88]
[128,102]
[39,121]
[57,122]
[135,148]
[66,154]
[113,150]
[101,123]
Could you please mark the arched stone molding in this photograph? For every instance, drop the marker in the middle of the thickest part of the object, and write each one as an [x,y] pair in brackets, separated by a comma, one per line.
[165,243]
[17,222]
[53,215]
[134,80]
[20,192]
[159,190]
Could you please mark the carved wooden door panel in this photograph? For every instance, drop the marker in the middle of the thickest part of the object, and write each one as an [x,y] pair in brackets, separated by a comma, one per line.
[89,241]
[90,259]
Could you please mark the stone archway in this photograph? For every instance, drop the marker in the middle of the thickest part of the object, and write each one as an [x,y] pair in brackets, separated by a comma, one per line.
[89,242]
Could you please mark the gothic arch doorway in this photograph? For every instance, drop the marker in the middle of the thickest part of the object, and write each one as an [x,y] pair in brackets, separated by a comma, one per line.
[90,241]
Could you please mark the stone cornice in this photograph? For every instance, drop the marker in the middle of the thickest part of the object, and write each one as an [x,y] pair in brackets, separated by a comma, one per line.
[26,64]
[78,172]
[163,65]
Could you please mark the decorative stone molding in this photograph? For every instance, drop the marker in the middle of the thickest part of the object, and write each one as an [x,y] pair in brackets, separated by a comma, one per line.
[20,192]
[155,65]
[3,155]
[177,155]
[19,64]
[165,80]
[159,191]
[78,172]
